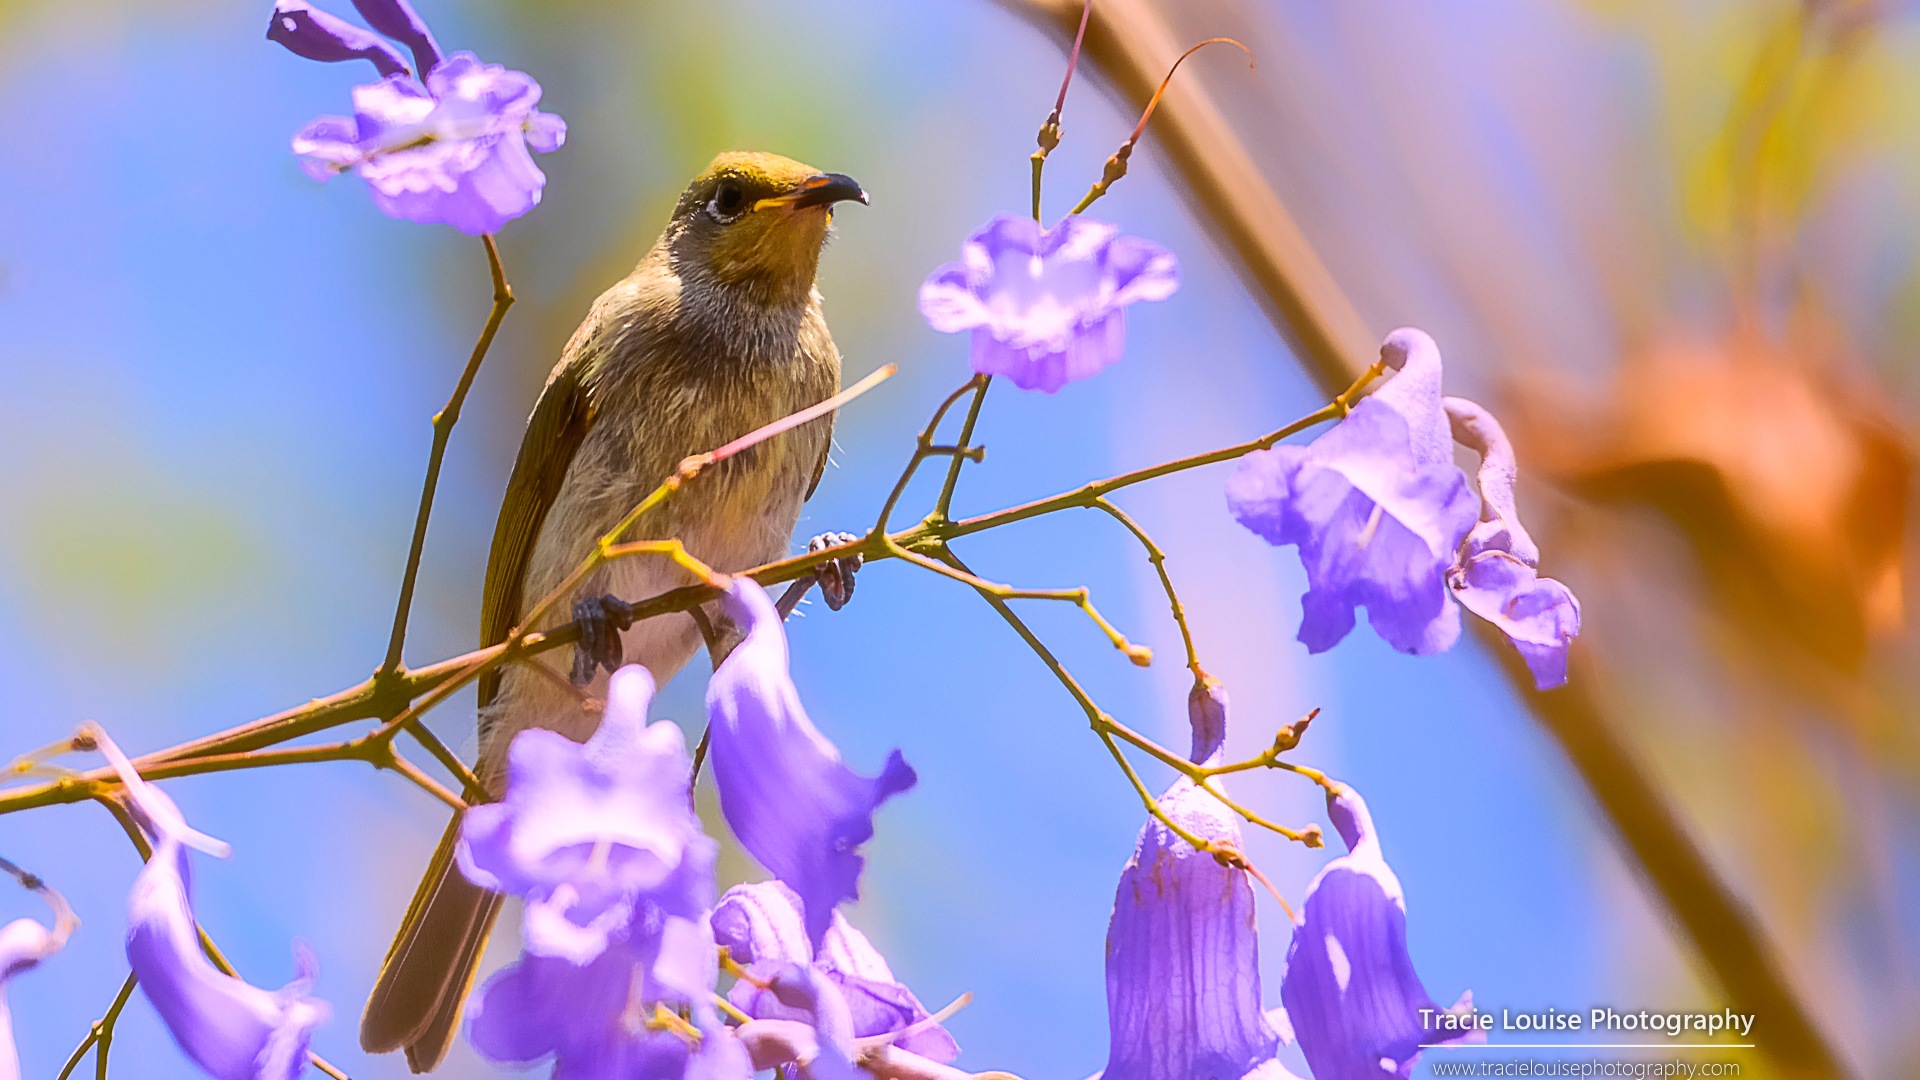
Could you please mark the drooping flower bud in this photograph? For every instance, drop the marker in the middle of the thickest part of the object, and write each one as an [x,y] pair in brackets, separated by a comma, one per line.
[231,1029]
[1495,577]
[789,798]
[24,943]
[1350,990]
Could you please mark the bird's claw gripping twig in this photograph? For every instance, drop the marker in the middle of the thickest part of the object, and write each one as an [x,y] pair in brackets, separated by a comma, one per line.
[601,619]
[836,577]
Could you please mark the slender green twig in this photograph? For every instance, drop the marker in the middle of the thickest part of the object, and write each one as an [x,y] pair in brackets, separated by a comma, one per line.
[1079,597]
[443,422]
[1110,730]
[1310,835]
[101,1034]
[138,838]
[1158,559]
[923,449]
[942,506]
[1116,166]
[1049,136]
[1286,739]
[1100,721]
[447,759]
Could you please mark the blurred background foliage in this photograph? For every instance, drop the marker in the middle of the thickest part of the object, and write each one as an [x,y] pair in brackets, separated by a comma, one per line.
[1673,244]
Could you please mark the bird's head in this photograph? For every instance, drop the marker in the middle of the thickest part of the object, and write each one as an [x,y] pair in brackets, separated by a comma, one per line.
[757,221]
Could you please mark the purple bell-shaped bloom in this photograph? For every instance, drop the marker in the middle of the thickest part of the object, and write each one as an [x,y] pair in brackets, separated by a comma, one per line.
[585,830]
[1495,577]
[614,1017]
[763,928]
[1046,306]
[1350,989]
[232,1030]
[793,804]
[446,142]
[1376,507]
[1183,954]
[24,943]
[819,1045]
[602,840]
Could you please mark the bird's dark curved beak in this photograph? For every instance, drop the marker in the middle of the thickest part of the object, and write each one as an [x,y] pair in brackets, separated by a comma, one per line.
[822,189]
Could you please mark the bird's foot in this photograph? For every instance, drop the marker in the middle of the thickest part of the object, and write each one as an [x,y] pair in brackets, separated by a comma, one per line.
[836,577]
[601,619]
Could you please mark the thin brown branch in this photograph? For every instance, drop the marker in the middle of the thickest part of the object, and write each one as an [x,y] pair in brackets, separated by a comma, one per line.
[405,697]
[943,505]
[1097,718]
[443,422]
[101,1033]
[447,759]
[924,448]
[1079,597]
[1158,559]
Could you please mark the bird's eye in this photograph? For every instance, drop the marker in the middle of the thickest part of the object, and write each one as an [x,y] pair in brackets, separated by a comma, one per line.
[728,199]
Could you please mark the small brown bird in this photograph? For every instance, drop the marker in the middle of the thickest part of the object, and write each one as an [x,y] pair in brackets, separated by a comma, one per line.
[716,332]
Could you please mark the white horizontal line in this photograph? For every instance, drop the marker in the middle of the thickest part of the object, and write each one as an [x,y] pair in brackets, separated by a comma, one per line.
[1588,1046]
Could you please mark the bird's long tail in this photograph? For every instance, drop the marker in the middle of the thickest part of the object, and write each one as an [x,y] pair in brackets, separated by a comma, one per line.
[425,978]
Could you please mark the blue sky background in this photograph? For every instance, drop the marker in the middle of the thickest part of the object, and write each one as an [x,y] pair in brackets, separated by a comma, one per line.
[215,381]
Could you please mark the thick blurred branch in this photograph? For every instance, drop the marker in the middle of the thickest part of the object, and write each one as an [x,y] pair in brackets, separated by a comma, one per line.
[1129,44]
[1720,925]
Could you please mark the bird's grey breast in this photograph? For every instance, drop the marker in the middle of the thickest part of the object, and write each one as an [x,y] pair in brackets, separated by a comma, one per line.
[673,371]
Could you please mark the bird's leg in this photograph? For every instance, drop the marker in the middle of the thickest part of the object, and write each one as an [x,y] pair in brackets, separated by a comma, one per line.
[796,592]
[836,577]
[721,635]
[601,619]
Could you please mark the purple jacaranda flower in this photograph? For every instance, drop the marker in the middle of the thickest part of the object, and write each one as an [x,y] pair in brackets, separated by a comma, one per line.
[763,928]
[612,1017]
[307,31]
[819,1043]
[232,1030]
[602,840]
[1183,954]
[24,943]
[1350,989]
[1376,507]
[1046,306]
[592,833]
[447,142]
[1495,577]
[791,801]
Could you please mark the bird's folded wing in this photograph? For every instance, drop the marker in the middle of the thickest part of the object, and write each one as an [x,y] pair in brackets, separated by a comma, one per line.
[559,423]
